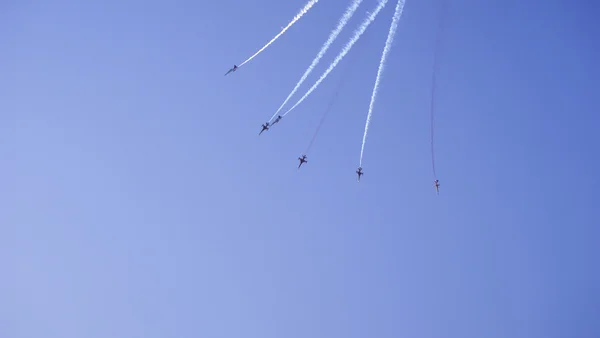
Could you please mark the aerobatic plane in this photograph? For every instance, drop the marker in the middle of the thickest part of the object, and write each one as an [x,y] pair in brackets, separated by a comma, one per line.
[232,69]
[359,172]
[279,117]
[302,160]
[437,186]
[264,127]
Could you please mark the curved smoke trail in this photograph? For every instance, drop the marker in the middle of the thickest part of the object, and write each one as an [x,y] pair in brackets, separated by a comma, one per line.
[386,50]
[363,27]
[296,18]
[332,36]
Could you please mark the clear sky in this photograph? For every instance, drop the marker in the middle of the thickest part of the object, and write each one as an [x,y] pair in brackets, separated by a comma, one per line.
[139,200]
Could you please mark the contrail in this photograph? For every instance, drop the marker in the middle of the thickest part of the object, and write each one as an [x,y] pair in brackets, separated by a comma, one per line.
[363,27]
[434,71]
[386,50]
[332,102]
[332,36]
[296,18]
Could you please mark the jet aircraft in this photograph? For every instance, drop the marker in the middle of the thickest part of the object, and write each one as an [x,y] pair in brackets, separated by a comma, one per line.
[302,160]
[360,173]
[264,127]
[279,117]
[232,69]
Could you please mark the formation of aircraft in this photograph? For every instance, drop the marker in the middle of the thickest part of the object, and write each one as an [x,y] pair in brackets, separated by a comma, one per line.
[302,160]
[264,127]
[232,70]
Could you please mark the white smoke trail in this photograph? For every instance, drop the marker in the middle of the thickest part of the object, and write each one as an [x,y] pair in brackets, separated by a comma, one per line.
[332,36]
[386,50]
[296,18]
[363,27]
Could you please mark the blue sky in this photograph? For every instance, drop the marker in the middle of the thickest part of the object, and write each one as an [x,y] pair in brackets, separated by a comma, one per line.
[140,202]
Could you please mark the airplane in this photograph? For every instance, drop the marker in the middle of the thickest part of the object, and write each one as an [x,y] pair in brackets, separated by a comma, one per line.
[279,117]
[232,69]
[360,173]
[302,160]
[264,127]
[437,186]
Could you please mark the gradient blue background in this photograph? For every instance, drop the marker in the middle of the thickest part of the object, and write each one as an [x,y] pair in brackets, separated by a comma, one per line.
[138,200]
